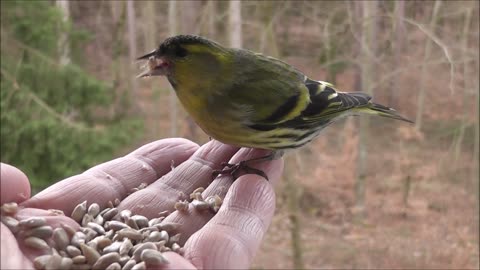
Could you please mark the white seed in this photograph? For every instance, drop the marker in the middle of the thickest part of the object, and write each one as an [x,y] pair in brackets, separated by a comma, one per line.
[109,234]
[43,232]
[125,247]
[66,263]
[89,233]
[137,252]
[79,211]
[114,266]
[181,206]
[131,223]
[54,251]
[54,262]
[129,265]
[153,257]
[104,211]
[155,221]
[86,219]
[130,233]
[63,253]
[99,219]
[93,209]
[41,261]
[110,214]
[91,254]
[36,243]
[140,220]
[78,238]
[73,251]
[124,260]
[110,204]
[32,222]
[199,190]
[142,185]
[115,225]
[175,247]
[10,208]
[139,266]
[105,260]
[116,202]
[11,223]
[200,205]
[92,245]
[80,259]
[103,242]
[174,239]
[148,229]
[81,267]
[60,238]
[160,244]
[125,214]
[169,226]
[69,229]
[114,247]
[97,228]
[154,237]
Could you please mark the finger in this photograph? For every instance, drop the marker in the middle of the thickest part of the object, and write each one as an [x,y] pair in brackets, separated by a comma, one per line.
[176,261]
[193,220]
[11,255]
[237,229]
[176,185]
[14,185]
[114,179]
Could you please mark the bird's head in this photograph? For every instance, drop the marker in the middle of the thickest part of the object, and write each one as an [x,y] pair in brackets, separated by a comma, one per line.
[185,57]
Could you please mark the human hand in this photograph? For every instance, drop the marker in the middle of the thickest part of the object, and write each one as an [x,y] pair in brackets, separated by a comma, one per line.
[228,239]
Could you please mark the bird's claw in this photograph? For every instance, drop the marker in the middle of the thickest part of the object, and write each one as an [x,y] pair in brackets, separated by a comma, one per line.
[235,169]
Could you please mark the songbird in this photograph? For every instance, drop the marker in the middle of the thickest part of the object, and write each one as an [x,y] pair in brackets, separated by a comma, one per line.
[247,99]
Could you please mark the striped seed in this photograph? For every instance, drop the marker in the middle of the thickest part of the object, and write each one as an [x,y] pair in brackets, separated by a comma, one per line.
[79,211]
[36,243]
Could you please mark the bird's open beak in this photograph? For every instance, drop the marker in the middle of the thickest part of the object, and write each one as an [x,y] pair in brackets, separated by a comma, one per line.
[155,65]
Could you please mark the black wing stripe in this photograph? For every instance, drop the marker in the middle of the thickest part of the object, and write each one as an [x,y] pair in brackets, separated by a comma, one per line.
[284,109]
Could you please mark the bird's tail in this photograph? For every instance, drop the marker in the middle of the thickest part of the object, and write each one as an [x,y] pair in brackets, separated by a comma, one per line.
[378,109]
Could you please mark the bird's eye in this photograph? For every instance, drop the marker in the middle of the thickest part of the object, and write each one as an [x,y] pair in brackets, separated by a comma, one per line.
[180,52]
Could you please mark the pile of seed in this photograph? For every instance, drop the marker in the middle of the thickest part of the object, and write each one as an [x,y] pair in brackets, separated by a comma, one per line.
[102,242]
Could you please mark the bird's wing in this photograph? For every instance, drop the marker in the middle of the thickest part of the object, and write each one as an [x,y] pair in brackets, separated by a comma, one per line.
[325,104]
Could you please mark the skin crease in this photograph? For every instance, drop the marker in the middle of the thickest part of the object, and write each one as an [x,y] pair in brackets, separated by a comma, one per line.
[228,240]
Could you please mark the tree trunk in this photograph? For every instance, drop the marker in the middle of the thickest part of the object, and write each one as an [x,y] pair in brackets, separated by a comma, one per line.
[235,23]
[424,72]
[368,52]
[132,49]
[399,33]
[63,42]
[172,31]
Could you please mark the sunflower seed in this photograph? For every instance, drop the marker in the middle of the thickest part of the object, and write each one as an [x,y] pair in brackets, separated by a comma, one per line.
[89,233]
[41,261]
[43,232]
[10,208]
[103,242]
[130,233]
[198,190]
[56,212]
[11,223]
[91,254]
[200,205]
[139,266]
[60,238]
[73,251]
[124,260]
[81,266]
[97,228]
[169,226]
[153,257]
[110,214]
[114,266]
[54,262]
[131,223]
[125,247]
[69,229]
[32,222]
[99,220]
[174,239]
[148,229]
[175,247]
[36,243]
[79,211]
[155,221]
[113,247]
[78,238]
[66,263]
[116,202]
[105,260]
[140,220]
[125,214]
[79,259]
[138,250]
[129,264]
[93,209]
[181,206]
[142,185]
[110,204]
[109,234]
[86,219]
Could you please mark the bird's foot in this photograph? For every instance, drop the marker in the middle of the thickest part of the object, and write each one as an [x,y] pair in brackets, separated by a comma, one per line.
[236,169]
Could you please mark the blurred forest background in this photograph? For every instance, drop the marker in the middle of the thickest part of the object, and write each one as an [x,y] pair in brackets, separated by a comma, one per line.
[369,193]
